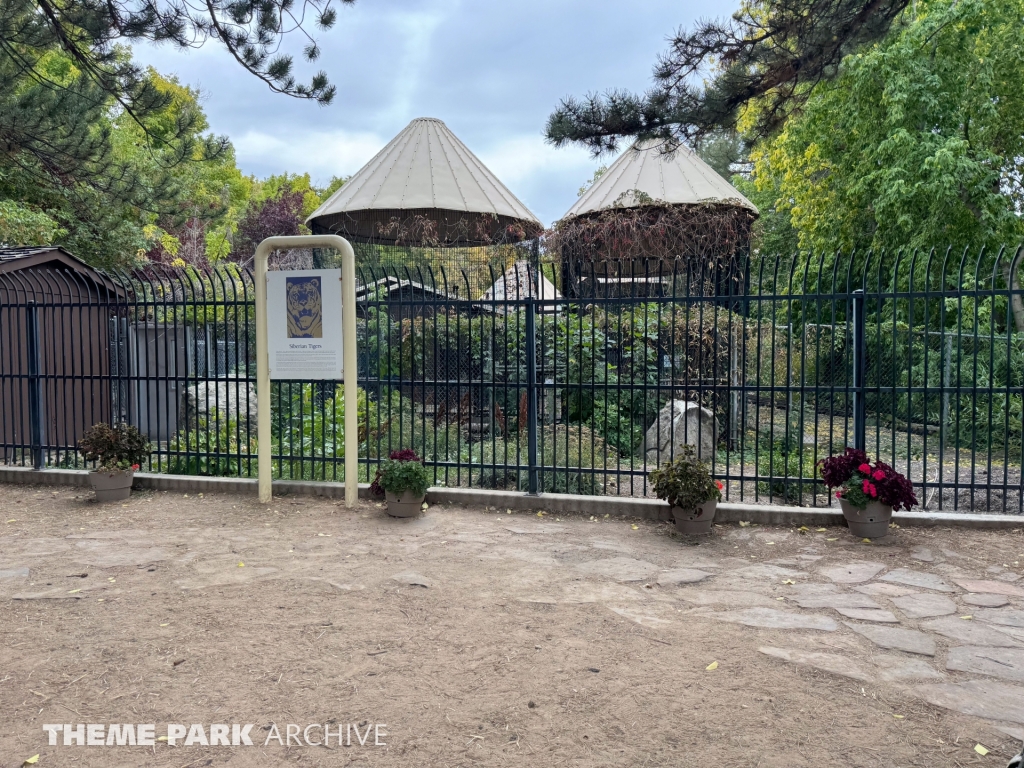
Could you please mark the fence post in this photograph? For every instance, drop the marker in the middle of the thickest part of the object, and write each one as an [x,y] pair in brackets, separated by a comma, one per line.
[531,395]
[36,422]
[859,373]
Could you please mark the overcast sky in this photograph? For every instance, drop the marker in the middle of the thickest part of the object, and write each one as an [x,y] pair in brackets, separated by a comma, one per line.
[493,71]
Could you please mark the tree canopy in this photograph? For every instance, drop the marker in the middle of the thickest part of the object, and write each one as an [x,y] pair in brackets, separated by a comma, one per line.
[774,52]
[918,142]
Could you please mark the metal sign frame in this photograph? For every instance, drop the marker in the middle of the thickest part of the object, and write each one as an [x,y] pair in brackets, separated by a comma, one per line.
[348,330]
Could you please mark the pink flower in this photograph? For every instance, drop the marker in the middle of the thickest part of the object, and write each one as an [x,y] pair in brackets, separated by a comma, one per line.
[878,475]
[839,493]
[135,466]
[865,468]
[869,489]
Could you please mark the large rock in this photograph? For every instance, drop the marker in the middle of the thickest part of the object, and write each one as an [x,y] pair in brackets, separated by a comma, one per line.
[233,399]
[681,422]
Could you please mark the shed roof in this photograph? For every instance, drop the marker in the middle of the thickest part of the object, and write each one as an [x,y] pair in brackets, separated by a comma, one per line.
[425,170]
[15,259]
[676,178]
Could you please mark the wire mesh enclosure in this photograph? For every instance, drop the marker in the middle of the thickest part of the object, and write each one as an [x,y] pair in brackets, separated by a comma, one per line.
[497,381]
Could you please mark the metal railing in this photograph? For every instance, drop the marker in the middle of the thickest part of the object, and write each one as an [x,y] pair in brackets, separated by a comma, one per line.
[767,365]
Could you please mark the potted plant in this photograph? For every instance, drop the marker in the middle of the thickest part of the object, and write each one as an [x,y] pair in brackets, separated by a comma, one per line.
[868,493]
[403,478]
[118,451]
[693,495]
[406,454]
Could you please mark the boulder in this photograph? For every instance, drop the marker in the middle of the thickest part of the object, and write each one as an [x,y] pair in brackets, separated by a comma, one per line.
[681,422]
[233,399]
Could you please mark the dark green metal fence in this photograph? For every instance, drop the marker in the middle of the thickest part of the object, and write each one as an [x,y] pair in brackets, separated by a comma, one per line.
[767,365]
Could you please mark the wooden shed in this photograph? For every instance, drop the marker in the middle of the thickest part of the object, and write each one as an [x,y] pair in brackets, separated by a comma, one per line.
[55,365]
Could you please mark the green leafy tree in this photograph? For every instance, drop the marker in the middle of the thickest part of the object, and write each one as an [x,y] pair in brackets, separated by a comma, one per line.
[917,143]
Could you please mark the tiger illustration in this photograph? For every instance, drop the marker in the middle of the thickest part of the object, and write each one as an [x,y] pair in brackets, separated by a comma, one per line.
[305,318]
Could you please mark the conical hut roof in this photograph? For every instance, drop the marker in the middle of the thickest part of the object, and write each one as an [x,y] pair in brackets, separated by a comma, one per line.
[425,187]
[520,282]
[644,174]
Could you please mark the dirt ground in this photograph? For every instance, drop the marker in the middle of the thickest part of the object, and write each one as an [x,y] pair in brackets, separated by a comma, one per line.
[479,638]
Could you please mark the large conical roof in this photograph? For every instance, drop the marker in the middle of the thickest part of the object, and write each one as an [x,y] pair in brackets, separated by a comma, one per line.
[425,177]
[679,177]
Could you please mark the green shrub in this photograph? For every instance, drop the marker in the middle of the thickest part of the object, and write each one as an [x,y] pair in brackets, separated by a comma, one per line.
[686,482]
[114,448]
[397,477]
[218,447]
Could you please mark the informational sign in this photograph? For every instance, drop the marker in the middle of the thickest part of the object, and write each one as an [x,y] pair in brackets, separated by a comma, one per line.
[304,338]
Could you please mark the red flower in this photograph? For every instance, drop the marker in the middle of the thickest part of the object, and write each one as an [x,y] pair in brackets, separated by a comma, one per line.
[719,484]
[135,466]
[878,475]
[839,493]
[865,468]
[869,489]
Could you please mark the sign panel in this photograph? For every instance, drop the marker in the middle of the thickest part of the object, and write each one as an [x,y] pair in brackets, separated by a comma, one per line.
[304,338]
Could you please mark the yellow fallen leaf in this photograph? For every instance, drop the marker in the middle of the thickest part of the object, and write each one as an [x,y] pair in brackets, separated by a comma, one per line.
[73,591]
[508,511]
[425,506]
[865,541]
[165,625]
[967,618]
[803,528]
[13,520]
[898,717]
[821,530]
[980,750]
[636,527]
[780,598]
[788,581]
[111,579]
[831,539]
[241,565]
[32,760]
[713,665]
[769,542]
[744,524]
[161,738]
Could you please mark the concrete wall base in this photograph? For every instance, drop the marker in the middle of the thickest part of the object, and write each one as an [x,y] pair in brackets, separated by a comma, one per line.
[559,503]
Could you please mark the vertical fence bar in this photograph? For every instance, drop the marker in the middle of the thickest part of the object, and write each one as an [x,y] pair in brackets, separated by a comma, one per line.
[531,395]
[859,372]
[35,384]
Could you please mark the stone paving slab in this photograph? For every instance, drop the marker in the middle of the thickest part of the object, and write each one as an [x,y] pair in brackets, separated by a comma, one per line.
[682,576]
[852,573]
[620,568]
[885,590]
[1004,663]
[917,579]
[769,618]
[836,600]
[969,632]
[869,614]
[924,606]
[896,638]
[14,573]
[980,698]
[834,663]
[987,601]
[895,669]
[1007,618]
[991,587]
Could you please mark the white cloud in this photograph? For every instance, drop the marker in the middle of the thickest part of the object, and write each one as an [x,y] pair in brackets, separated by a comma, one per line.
[322,154]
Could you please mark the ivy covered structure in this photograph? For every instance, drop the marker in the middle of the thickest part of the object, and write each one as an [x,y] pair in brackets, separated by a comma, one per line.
[652,215]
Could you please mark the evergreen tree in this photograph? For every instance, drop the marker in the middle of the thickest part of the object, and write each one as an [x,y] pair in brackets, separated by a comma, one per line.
[772,52]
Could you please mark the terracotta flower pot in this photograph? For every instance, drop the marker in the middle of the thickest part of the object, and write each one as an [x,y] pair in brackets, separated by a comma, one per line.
[112,486]
[697,520]
[872,522]
[408,504]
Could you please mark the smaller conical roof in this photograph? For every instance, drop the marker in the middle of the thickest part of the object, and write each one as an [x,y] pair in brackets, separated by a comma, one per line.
[676,178]
[520,282]
[425,172]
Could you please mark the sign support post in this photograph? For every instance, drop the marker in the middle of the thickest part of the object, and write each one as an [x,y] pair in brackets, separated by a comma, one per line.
[350,361]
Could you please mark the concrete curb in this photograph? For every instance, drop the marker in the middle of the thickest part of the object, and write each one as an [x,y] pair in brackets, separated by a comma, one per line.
[764,514]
